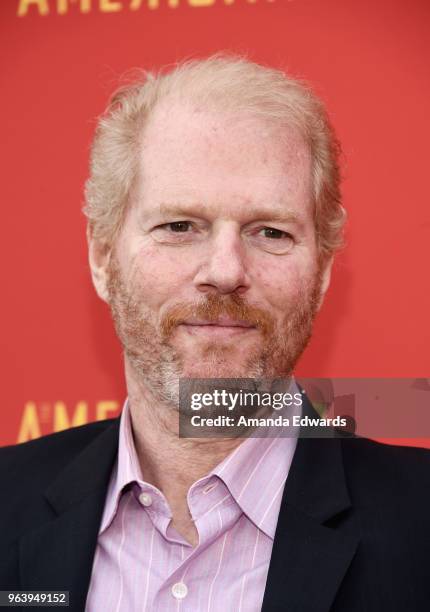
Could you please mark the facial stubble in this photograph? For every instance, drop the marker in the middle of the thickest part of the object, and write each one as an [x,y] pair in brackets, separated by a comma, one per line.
[159,366]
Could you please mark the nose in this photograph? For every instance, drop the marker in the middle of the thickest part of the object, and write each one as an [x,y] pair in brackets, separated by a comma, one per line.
[223,268]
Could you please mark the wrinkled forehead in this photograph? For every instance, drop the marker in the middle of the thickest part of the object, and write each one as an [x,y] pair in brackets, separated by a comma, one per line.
[186,148]
[175,125]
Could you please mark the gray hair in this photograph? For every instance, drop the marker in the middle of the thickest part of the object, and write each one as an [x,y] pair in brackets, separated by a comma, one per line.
[227,82]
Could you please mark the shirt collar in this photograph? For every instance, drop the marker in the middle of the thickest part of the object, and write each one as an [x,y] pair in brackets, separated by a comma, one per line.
[254,473]
[126,470]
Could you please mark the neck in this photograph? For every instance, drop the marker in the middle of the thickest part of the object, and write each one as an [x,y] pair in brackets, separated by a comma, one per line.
[169,462]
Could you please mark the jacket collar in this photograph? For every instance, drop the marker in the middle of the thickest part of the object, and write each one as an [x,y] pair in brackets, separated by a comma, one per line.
[89,471]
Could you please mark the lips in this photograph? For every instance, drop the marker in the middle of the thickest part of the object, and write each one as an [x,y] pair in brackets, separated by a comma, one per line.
[219,322]
[222,328]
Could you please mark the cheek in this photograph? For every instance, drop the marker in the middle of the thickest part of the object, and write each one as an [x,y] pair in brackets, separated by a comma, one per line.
[283,282]
[158,273]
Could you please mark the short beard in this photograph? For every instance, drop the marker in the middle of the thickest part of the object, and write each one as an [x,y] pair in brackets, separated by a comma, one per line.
[158,366]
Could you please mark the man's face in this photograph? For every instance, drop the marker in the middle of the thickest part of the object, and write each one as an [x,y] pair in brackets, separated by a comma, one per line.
[215,272]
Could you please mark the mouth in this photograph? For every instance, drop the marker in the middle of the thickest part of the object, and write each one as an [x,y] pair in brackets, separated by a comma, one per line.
[221,327]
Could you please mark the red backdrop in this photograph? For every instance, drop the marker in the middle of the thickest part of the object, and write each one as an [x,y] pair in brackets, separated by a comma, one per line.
[60,59]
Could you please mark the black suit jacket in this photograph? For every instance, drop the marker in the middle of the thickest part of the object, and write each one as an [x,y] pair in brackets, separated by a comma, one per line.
[353,532]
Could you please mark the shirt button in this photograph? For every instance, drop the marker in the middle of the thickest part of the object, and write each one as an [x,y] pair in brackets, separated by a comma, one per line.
[145,499]
[179,590]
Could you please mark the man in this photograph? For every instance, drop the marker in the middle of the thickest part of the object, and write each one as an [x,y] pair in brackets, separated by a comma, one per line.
[214,214]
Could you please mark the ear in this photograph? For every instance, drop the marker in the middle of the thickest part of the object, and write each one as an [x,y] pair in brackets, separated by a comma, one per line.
[326,268]
[98,256]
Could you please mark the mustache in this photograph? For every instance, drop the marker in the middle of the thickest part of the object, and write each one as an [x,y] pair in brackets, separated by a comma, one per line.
[212,308]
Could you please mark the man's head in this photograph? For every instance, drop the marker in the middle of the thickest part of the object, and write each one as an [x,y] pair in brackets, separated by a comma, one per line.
[214,212]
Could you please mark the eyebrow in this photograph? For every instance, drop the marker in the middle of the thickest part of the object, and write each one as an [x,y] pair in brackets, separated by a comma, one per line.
[282,216]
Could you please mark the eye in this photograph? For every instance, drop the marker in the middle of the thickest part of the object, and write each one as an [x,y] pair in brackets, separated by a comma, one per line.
[273,240]
[277,234]
[176,232]
[177,226]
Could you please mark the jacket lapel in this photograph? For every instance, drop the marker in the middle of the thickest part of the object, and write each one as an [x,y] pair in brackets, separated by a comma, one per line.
[59,554]
[316,538]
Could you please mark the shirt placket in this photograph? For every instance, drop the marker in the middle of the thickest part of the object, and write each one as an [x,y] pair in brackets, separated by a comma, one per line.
[214,511]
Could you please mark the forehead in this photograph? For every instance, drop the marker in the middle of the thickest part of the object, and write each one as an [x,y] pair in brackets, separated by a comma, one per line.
[190,152]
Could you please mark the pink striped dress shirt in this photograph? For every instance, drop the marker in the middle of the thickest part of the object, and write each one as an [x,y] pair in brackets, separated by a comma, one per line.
[141,563]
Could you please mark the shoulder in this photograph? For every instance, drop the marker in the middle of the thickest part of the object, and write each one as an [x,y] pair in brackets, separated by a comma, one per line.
[44,457]
[383,472]
[69,458]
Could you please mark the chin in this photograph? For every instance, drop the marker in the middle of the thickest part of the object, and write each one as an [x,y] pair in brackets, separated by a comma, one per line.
[220,369]
[220,360]
[208,371]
